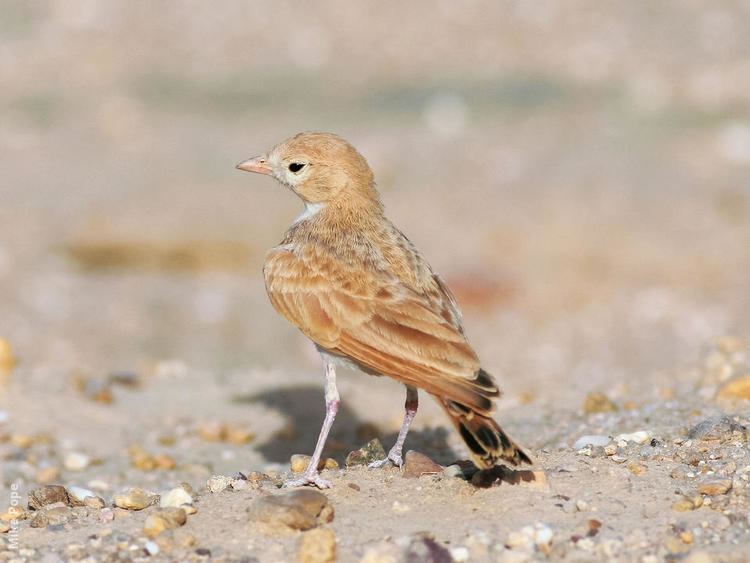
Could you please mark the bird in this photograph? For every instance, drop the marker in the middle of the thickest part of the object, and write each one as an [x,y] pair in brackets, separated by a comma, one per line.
[356,286]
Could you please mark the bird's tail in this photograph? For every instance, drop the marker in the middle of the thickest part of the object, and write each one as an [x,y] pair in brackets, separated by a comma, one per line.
[487,442]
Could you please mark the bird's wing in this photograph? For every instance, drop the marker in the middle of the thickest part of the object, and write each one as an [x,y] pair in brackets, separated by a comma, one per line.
[379,323]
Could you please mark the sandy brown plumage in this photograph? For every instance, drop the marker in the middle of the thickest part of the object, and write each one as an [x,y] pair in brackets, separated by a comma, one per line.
[358,288]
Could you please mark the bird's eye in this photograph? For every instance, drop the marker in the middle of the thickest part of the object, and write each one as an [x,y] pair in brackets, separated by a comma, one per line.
[296,166]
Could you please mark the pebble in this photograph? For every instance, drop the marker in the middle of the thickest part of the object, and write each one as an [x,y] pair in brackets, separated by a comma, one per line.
[317,546]
[715,428]
[636,468]
[164,519]
[176,498]
[417,464]
[47,475]
[218,483]
[639,437]
[715,487]
[49,494]
[76,461]
[94,502]
[4,527]
[143,460]
[302,509]
[598,402]
[57,515]
[151,548]
[134,499]
[78,494]
[300,462]
[687,504]
[737,388]
[106,515]
[39,520]
[7,360]
[591,440]
[372,451]
[460,554]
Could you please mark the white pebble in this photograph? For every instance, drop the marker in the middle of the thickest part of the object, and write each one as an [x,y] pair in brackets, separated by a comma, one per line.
[177,497]
[151,548]
[460,554]
[218,483]
[640,437]
[591,440]
[79,493]
[76,461]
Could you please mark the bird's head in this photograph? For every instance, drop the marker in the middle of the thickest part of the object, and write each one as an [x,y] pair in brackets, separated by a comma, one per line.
[319,167]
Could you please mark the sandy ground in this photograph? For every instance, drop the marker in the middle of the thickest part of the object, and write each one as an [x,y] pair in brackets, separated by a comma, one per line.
[578,174]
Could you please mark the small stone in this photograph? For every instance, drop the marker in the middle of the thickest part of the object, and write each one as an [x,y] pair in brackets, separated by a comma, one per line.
[372,451]
[165,461]
[76,461]
[718,428]
[94,502]
[57,515]
[49,494]
[94,388]
[106,515]
[218,483]
[39,520]
[151,548]
[302,509]
[300,462]
[212,431]
[598,402]
[636,468]
[591,440]
[417,464]
[715,487]
[4,527]
[134,499]
[640,437]
[687,536]
[686,503]
[78,495]
[164,519]
[7,360]
[176,498]
[317,546]
[47,475]
[239,435]
[676,546]
[460,554]
[737,388]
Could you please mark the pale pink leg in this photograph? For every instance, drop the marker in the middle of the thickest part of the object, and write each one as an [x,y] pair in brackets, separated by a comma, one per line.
[311,475]
[410,407]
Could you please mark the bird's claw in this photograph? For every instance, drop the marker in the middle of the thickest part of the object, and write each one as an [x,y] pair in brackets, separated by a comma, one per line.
[394,458]
[313,479]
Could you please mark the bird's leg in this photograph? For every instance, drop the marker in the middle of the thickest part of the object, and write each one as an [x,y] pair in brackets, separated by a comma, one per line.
[410,407]
[311,475]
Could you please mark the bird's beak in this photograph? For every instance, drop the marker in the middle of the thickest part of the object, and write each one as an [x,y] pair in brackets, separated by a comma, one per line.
[259,165]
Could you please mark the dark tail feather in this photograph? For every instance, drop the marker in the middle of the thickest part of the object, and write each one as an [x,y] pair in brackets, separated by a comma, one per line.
[486,440]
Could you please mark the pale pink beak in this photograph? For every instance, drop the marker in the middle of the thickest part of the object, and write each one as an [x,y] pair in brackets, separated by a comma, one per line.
[257,165]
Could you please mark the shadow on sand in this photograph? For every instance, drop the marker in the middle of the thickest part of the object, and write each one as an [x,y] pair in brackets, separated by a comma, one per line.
[303,407]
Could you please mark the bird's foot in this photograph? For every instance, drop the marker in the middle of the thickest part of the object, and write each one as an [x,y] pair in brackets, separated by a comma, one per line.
[313,479]
[393,457]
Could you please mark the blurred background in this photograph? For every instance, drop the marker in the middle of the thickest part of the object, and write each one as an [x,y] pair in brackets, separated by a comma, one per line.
[579,173]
